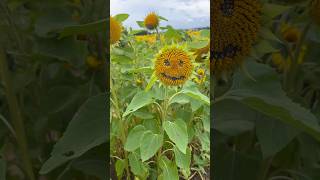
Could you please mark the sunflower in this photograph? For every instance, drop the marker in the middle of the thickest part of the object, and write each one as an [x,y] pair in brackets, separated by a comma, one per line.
[278,61]
[93,62]
[314,11]
[234,28]
[201,72]
[200,52]
[115,30]
[290,33]
[173,66]
[151,21]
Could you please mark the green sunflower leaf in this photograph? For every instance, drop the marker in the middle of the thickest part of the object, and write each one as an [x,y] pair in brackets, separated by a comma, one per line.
[150,143]
[169,169]
[177,132]
[140,100]
[121,17]
[266,96]
[134,138]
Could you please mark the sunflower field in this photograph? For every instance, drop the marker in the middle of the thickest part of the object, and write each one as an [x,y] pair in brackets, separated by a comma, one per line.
[160,105]
[265,60]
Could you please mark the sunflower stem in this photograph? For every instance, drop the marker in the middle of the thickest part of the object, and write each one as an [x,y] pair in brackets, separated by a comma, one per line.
[123,125]
[294,67]
[16,116]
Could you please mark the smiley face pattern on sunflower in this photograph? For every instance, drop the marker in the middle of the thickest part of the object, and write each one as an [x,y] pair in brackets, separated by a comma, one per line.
[234,27]
[173,66]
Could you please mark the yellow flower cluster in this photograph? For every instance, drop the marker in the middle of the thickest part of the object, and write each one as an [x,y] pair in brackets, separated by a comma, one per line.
[234,27]
[150,38]
[193,34]
[173,66]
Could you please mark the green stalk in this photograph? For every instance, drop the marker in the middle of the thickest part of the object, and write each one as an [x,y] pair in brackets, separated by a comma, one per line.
[266,165]
[16,116]
[294,69]
[122,125]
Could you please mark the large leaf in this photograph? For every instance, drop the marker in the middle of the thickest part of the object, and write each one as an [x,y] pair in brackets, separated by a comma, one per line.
[140,100]
[177,132]
[52,20]
[93,27]
[169,169]
[193,92]
[66,49]
[137,166]
[87,129]
[134,138]
[150,143]
[233,118]
[121,17]
[266,96]
[273,135]
[183,160]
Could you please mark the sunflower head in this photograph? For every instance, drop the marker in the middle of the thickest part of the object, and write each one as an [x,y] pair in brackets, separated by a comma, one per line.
[278,61]
[200,72]
[93,62]
[234,28]
[173,66]
[290,33]
[115,30]
[199,53]
[151,21]
[139,82]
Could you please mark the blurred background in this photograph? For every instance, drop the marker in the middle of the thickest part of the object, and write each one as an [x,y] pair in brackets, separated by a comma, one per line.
[52,91]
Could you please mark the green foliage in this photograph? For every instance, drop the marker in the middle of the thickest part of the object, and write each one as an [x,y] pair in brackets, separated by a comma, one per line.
[157,129]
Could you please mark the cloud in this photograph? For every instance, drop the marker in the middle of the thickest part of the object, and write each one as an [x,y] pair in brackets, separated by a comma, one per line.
[180,13]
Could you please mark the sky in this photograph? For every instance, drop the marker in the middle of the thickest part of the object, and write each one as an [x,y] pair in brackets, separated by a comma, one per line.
[182,14]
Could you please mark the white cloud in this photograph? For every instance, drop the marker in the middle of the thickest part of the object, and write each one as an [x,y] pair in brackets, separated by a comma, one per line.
[180,13]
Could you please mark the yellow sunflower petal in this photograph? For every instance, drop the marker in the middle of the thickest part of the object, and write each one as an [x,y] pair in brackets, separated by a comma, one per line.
[115,30]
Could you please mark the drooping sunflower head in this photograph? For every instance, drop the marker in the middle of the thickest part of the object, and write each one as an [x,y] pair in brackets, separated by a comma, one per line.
[290,33]
[314,11]
[173,66]
[199,53]
[234,28]
[115,30]
[151,21]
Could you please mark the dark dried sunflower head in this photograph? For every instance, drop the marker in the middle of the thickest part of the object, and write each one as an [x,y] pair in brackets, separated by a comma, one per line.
[234,27]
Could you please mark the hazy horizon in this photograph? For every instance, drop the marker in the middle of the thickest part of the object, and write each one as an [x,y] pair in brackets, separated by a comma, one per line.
[181,14]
